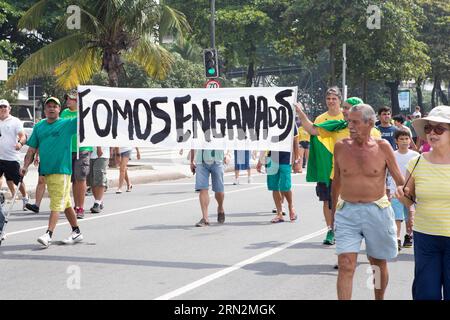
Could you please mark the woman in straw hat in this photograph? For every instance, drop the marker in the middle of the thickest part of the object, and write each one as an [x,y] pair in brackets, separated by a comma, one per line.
[428,186]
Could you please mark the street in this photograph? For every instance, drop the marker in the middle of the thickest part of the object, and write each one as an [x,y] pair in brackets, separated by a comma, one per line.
[144,245]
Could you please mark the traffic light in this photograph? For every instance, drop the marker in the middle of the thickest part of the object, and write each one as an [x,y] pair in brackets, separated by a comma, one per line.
[211,63]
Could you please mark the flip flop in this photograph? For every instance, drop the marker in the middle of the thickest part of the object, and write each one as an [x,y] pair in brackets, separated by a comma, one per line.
[293,218]
[277,220]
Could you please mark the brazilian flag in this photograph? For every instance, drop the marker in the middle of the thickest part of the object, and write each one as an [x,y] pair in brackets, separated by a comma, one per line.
[320,160]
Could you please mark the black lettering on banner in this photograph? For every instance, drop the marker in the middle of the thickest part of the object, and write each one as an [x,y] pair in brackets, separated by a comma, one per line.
[83,113]
[137,122]
[160,114]
[126,113]
[214,121]
[233,107]
[102,132]
[204,120]
[248,116]
[280,98]
[180,119]
[262,117]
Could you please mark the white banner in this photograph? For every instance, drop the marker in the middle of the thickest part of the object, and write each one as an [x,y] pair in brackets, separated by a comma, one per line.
[223,119]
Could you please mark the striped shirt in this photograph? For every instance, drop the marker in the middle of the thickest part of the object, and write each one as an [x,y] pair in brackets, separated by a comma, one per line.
[432,187]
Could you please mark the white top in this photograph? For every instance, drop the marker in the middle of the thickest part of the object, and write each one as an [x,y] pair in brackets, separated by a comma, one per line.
[402,161]
[105,154]
[417,113]
[9,130]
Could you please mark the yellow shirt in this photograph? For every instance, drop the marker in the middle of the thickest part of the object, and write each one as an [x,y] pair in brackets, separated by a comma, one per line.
[432,185]
[303,135]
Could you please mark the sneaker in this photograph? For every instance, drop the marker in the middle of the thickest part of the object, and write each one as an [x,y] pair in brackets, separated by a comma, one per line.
[80,212]
[2,236]
[73,238]
[329,239]
[101,206]
[45,240]
[88,192]
[407,243]
[249,180]
[96,208]
[202,223]
[399,242]
[221,217]
[25,200]
[236,182]
[32,207]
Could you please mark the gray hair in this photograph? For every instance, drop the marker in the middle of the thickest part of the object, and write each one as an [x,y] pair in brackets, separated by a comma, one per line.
[368,114]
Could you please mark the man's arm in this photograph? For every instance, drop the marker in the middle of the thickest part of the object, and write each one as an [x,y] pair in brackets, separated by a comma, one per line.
[391,163]
[192,161]
[306,123]
[21,141]
[297,163]
[29,157]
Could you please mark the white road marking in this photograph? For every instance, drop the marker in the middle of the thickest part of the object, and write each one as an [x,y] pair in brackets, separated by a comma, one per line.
[237,266]
[128,211]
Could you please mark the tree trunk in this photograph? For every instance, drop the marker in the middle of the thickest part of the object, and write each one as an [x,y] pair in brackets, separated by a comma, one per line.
[364,88]
[433,93]
[419,93]
[393,85]
[250,74]
[332,64]
[442,95]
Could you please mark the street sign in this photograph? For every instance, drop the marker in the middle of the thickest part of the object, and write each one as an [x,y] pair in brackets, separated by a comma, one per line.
[404,100]
[212,84]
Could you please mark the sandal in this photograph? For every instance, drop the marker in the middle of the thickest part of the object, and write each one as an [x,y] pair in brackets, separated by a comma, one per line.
[277,219]
[202,223]
[293,216]
[221,217]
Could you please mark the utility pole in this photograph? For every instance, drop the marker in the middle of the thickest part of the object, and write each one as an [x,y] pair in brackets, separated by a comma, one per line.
[344,69]
[213,24]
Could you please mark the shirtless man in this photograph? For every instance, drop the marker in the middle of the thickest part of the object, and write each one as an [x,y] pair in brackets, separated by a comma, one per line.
[363,209]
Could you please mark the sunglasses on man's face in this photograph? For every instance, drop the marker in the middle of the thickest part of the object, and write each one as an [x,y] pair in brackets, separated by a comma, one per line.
[437,129]
[3,107]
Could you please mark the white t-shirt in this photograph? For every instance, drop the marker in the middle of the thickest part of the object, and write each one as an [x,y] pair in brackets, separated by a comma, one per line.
[9,130]
[417,113]
[105,154]
[402,161]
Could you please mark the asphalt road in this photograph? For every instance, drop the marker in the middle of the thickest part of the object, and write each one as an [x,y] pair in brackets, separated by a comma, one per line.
[144,246]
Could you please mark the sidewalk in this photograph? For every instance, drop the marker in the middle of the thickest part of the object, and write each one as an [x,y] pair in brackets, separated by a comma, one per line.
[137,172]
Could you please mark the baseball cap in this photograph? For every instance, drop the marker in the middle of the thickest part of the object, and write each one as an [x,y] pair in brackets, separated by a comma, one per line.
[4,102]
[353,101]
[72,94]
[55,100]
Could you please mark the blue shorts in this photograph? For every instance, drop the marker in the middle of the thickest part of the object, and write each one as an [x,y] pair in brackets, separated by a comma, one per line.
[357,221]
[202,173]
[279,177]
[401,212]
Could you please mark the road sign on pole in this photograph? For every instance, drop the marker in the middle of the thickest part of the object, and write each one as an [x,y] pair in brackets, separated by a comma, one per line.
[212,84]
[3,70]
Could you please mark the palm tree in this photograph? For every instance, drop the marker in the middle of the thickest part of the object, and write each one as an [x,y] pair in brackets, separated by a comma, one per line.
[111,32]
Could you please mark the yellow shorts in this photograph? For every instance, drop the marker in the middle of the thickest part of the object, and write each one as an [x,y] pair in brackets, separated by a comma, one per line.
[58,186]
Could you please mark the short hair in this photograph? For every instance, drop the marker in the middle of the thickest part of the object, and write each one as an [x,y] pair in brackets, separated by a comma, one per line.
[368,114]
[401,132]
[417,107]
[383,109]
[334,90]
[399,118]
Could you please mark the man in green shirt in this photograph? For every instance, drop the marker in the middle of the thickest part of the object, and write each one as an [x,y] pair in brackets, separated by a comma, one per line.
[80,164]
[52,137]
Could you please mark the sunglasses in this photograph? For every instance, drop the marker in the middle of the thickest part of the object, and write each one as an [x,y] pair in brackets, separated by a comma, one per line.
[3,107]
[437,129]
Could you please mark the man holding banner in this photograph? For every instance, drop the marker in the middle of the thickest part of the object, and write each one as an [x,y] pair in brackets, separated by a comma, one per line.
[53,138]
[209,162]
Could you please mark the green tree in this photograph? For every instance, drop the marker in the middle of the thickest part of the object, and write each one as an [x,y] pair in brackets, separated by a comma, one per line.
[436,34]
[111,32]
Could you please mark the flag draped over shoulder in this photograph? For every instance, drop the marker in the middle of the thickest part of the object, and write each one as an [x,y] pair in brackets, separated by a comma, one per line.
[321,150]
